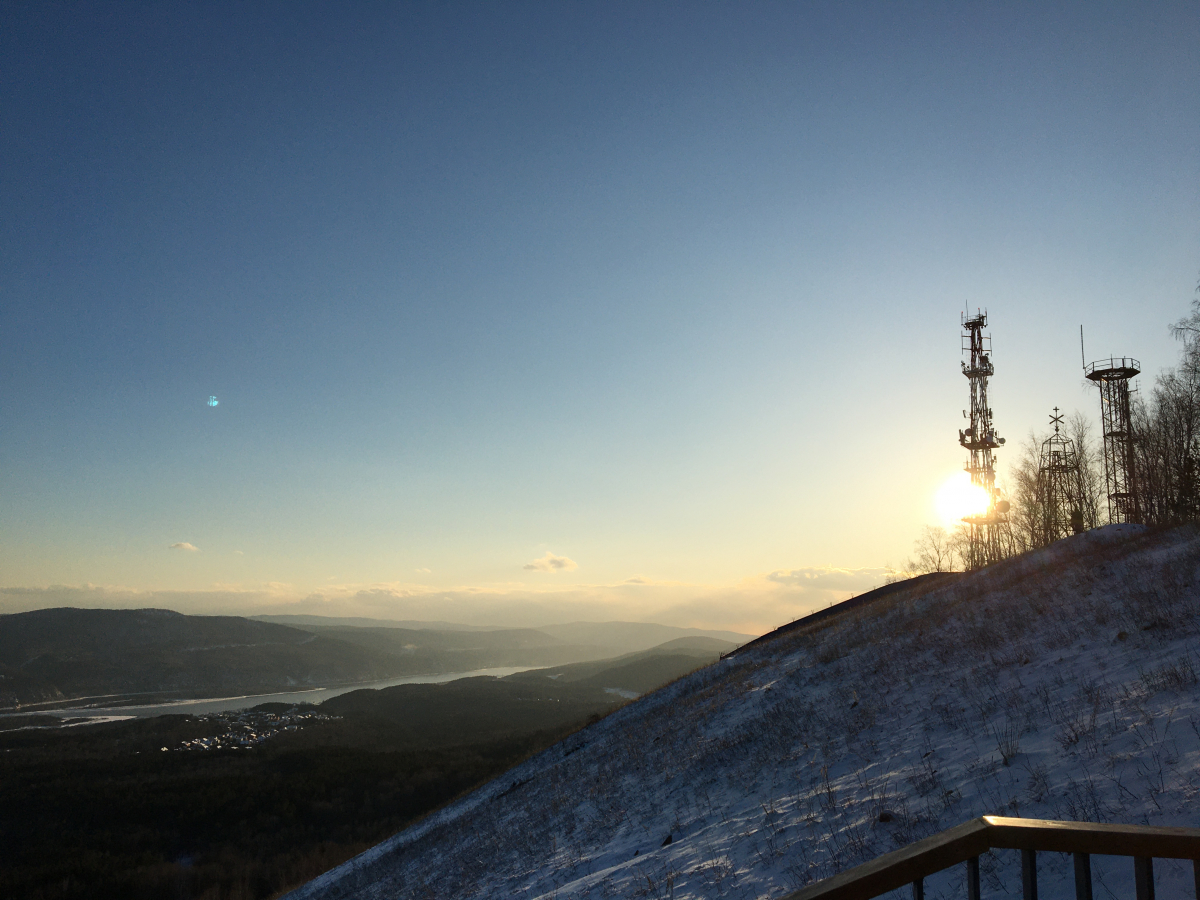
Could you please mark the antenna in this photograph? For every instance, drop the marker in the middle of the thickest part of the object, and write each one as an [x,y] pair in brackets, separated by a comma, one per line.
[1082,357]
[1059,487]
[984,529]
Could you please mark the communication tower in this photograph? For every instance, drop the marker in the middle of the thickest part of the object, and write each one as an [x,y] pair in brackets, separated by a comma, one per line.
[1059,486]
[1120,477]
[980,439]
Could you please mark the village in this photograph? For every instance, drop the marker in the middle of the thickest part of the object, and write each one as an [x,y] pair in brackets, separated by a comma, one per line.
[248,728]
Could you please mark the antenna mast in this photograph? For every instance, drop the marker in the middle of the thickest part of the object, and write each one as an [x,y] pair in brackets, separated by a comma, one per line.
[1059,487]
[980,439]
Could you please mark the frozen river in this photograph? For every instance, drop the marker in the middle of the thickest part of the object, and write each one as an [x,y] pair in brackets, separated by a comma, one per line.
[225,704]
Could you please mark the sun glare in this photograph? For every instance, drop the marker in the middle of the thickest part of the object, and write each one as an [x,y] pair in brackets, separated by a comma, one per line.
[957,497]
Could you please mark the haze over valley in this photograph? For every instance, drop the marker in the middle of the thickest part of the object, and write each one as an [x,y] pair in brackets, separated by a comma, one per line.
[75,658]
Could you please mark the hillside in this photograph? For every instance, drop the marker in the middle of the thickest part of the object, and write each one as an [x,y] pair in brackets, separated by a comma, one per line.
[56,654]
[1061,684]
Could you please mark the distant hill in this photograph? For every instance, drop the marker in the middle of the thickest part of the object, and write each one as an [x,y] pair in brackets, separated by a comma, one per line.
[439,647]
[419,651]
[614,637]
[363,622]
[65,653]
[629,637]
[636,673]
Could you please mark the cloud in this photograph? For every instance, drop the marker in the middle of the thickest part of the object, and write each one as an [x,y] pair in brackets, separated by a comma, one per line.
[752,605]
[826,578]
[237,553]
[184,545]
[552,563]
[423,571]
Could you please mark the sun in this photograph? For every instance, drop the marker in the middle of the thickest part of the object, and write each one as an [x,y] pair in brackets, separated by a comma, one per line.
[957,497]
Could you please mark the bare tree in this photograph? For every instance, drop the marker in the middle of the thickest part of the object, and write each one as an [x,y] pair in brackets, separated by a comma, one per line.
[1091,467]
[935,550]
[1167,432]
[1025,513]
[1187,330]
[960,544]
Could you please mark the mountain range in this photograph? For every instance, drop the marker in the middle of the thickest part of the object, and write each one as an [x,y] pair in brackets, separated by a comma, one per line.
[54,656]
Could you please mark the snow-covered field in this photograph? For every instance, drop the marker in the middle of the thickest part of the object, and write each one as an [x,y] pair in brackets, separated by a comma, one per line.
[1059,685]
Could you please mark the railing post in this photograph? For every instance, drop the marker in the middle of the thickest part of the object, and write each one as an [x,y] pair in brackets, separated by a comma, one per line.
[919,889]
[1083,876]
[1196,876]
[1143,877]
[973,878]
[1029,875]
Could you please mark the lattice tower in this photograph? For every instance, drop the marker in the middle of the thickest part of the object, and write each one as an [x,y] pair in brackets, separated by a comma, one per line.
[985,530]
[1060,486]
[1112,376]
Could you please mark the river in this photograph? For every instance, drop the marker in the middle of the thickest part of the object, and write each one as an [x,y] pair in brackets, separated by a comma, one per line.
[225,704]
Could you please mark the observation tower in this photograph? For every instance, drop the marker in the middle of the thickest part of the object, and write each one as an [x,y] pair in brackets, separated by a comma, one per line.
[1112,376]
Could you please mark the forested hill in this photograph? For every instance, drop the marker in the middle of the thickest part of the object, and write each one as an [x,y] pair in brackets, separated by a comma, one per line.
[56,654]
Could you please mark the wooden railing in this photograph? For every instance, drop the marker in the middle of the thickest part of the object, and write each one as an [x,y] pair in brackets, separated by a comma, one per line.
[964,843]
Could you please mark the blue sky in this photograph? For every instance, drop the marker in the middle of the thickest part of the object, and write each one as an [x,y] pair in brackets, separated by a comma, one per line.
[668,290]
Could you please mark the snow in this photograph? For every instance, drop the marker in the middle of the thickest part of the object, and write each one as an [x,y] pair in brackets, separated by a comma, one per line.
[1059,685]
[622,692]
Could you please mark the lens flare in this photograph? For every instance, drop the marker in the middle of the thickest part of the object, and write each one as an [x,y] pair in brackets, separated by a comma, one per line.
[957,497]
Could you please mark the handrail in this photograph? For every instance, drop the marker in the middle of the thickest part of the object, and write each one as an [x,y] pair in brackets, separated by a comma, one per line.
[965,842]
[1122,365]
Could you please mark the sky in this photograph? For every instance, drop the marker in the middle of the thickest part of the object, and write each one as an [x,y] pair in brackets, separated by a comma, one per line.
[529,313]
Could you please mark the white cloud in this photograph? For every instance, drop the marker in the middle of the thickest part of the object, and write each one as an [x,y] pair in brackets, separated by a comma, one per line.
[423,571]
[552,563]
[827,578]
[184,545]
[237,553]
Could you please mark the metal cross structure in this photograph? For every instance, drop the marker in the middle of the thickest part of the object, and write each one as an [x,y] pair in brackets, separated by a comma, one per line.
[980,439]
[1059,486]
[1120,476]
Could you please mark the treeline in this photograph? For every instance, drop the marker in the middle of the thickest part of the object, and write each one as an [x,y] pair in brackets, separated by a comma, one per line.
[1166,450]
[1166,426]
[79,823]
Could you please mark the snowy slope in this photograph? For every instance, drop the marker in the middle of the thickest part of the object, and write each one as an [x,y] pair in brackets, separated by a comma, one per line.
[1061,684]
